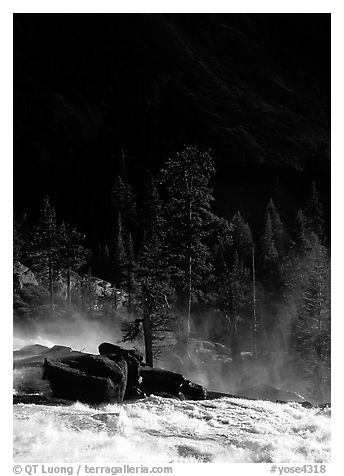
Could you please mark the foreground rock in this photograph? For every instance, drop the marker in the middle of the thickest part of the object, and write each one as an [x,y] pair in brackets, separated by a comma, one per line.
[107,348]
[29,351]
[118,375]
[89,378]
[144,380]
[169,384]
[272,394]
[34,355]
[133,359]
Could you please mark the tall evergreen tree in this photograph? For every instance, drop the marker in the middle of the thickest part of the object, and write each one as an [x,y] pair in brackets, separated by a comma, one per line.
[314,213]
[153,295]
[151,210]
[130,270]
[269,254]
[45,246]
[306,276]
[124,210]
[187,178]
[311,325]
[118,254]
[301,235]
[123,201]
[18,239]
[72,255]
[242,237]
[281,239]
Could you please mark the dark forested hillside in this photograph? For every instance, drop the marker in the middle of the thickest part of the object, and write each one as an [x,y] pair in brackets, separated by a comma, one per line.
[254,88]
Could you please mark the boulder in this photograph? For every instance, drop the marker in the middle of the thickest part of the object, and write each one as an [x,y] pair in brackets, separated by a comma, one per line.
[100,366]
[133,378]
[29,351]
[306,404]
[88,378]
[57,352]
[115,375]
[156,380]
[215,395]
[34,399]
[163,382]
[133,359]
[193,391]
[108,348]
[272,394]
[23,276]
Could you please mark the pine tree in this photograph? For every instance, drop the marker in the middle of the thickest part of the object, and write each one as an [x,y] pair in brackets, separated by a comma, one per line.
[306,276]
[314,213]
[151,210]
[242,237]
[269,254]
[118,194]
[130,270]
[153,294]
[124,210]
[45,247]
[239,285]
[119,259]
[18,239]
[187,176]
[268,276]
[312,325]
[233,283]
[281,239]
[72,255]
[301,238]
[123,201]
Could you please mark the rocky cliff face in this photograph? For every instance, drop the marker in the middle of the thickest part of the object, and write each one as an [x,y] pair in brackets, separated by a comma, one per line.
[23,276]
[99,289]
[254,88]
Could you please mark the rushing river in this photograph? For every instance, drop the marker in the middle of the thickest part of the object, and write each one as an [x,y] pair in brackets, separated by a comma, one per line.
[165,430]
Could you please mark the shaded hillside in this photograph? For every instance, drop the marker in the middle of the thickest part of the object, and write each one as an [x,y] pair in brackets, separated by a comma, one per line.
[254,88]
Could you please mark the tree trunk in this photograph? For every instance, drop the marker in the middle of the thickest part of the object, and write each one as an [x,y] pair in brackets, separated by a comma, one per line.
[51,286]
[69,294]
[147,328]
[254,334]
[234,338]
[129,300]
[189,296]
[189,289]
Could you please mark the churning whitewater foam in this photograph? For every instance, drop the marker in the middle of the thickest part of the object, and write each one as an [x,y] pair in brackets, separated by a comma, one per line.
[165,430]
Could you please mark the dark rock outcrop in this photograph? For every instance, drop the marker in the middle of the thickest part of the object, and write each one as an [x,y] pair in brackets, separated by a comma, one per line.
[23,276]
[193,391]
[108,348]
[91,379]
[163,382]
[133,358]
[118,374]
[36,358]
[33,399]
[272,394]
[29,351]
[158,380]
[57,351]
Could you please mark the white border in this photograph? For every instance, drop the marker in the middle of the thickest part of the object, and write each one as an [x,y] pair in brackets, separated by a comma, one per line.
[178,6]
